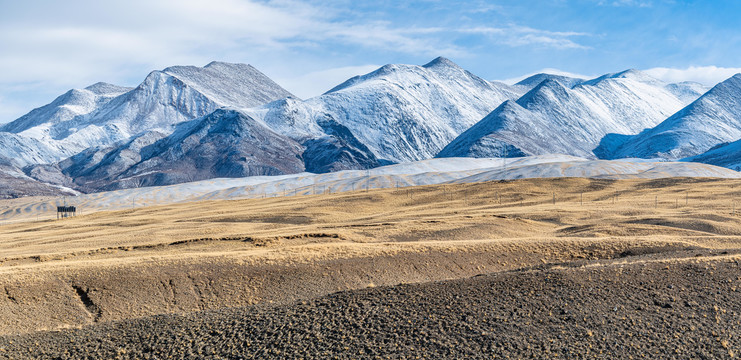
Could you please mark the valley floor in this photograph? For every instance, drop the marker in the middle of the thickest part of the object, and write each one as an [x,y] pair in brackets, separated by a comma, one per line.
[570,268]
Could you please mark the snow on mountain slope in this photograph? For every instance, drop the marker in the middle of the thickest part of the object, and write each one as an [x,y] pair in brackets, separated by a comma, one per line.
[25,140]
[427,172]
[71,104]
[21,151]
[603,169]
[227,84]
[164,99]
[225,143]
[400,112]
[531,82]
[553,118]
[687,91]
[14,183]
[725,155]
[712,119]
[178,94]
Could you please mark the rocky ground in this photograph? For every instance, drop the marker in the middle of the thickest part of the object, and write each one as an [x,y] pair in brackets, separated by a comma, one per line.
[685,305]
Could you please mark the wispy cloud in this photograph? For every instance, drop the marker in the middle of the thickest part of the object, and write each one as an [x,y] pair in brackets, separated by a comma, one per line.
[77,42]
[527,36]
[707,75]
[626,3]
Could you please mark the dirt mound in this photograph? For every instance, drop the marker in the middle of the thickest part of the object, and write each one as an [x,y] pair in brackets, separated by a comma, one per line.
[674,309]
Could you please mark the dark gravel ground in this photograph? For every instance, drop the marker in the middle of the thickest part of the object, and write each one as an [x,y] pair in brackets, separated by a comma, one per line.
[683,310]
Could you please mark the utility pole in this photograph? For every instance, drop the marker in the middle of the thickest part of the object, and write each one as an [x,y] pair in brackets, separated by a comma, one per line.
[504,161]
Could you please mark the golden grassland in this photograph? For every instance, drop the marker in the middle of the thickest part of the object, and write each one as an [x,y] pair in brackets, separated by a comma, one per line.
[207,255]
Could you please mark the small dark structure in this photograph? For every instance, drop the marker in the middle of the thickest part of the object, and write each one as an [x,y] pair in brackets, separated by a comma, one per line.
[66,211]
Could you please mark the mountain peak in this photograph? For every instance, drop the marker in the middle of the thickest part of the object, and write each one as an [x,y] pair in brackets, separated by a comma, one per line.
[103,88]
[440,62]
[228,65]
[726,88]
[544,93]
[535,80]
[631,74]
[220,63]
[380,72]
[439,65]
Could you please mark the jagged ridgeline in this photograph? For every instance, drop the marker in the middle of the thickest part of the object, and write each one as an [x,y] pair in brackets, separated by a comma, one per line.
[187,123]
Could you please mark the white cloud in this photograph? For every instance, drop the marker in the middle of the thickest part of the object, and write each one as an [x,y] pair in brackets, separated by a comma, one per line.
[59,45]
[85,39]
[551,71]
[706,75]
[318,82]
[527,36]
[626,3]
[56,45]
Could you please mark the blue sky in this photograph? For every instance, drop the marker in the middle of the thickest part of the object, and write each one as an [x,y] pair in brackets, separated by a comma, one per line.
[48,47]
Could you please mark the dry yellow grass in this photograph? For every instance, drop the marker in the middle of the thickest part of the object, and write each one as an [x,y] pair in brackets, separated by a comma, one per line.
[206,255]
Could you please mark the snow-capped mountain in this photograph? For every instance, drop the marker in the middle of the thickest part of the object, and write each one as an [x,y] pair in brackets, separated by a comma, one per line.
[725,154]
[556,118]
[400,112]
[71,104]
[22,141]
[396,113]
[165,98]
[187,123]
[712,119]
[224,143]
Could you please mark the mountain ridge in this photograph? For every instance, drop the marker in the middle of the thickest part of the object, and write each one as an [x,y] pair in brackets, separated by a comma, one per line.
[223,119]
[555,118]
[713,118]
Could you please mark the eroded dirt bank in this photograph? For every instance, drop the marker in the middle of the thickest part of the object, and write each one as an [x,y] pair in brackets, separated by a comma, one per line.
[645,308]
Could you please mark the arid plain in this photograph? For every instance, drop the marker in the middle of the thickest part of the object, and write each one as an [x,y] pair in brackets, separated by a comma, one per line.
[623,255]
